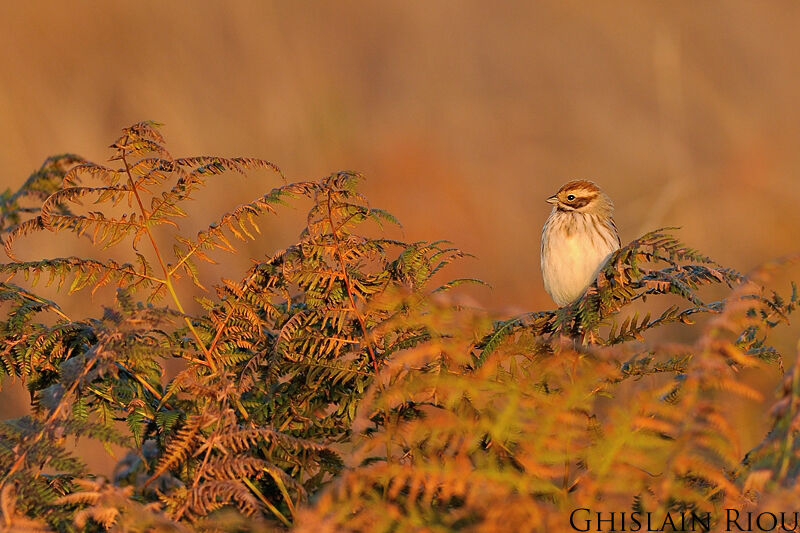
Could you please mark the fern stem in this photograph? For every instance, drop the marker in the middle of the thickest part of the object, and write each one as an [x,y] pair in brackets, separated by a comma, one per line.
[209,359]
[218,334]
[167,277]
[285,493]
[144,384]
[50,305]
[190,253]
[266,502]
[349,287]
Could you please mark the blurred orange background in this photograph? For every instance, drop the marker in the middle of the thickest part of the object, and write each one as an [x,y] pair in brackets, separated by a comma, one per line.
[464,116]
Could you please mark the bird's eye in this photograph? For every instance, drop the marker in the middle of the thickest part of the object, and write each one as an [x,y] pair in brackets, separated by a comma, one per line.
[570,197]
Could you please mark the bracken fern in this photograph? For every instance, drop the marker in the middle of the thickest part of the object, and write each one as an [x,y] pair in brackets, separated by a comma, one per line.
[334,386]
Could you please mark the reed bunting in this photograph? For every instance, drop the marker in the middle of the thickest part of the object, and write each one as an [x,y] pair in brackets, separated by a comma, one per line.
[577,240]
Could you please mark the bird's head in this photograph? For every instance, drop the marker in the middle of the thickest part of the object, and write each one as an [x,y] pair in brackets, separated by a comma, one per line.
[581,196]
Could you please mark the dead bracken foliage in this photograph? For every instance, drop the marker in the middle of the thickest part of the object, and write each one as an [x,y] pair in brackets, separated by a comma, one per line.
[335,387]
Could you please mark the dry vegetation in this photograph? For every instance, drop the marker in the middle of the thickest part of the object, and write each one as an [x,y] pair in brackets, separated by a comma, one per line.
[334,386]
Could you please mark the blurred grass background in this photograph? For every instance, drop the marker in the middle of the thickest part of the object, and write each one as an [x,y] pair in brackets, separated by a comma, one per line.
[463,115]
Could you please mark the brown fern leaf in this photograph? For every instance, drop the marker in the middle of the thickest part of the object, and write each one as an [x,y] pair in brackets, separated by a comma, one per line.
[25,228]
[206,165]
[182,445]
[75,194]
[44,181]
[86,272]
[236,222]
[109,176]
[212,495]
[237,440]
[140,139]
[243,466]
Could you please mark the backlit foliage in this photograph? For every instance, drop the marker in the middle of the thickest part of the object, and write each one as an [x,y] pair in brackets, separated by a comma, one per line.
[339,385]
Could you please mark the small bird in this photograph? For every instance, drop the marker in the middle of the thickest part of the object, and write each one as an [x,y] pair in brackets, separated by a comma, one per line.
[577,240]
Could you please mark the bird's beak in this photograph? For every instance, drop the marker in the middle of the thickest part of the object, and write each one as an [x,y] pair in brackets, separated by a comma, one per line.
[553,200]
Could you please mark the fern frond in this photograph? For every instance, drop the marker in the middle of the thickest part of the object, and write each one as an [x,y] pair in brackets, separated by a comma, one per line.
[85,272]
[209,496]
[183,444]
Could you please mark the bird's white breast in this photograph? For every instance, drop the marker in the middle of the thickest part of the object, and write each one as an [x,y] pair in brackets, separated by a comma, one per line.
[572,261]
